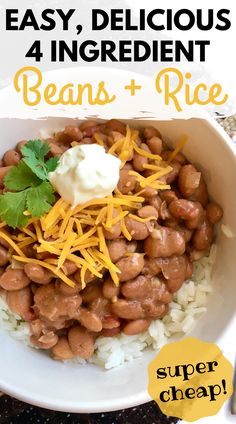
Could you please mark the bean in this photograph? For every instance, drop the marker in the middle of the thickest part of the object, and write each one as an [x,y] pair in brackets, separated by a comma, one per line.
[117,249]
[115,231]
[172,175]
[87,124]
[130,267]
[173,267]
[148,192]
[178,158]
[69,267]
[89,320]
[155,202]
[14,279]
[4,256]
[3,171]
[20,301]
[151,267]
[111,332]
[128,309]
[192,212]
[150,132]
[91,292]
[89,277]
[174,284]
[164,242]
[115,125]
[202,237]
[201,193]
[139,161]
[164,212]
[155,145]
[127,183]
[214,213]
[186,233]
[160,292]
[189,268]
[81,342]
[11,157]
[100,306]
[135,327]
[47,341]
[109,322]
[113,137]
[188,180]
[62,351]
[67,290]
[21,144]
[138,230]
[147,211]
[136,288]
[38,274]
[196,255]
[56,149]
[168,196]
[109,289]
[153,308]
[73,133]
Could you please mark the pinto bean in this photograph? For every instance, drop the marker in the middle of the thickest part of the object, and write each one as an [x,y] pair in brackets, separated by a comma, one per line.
[187,210]
[110,332]
[214,213]
[178,158]
[164,242]
[147,211]
[188,180]
[91,292]
[196,255]
[3,171]
[168,196]
[62,351]
[109,289]
[100,306]
[155,145]
[113,137]
[128,309]
[117,249]
[135,327]
[89,320]
[115,231]
[201,193]
[38,274]
[127,183]
[153,308]
[202,237]
[155,201]
[186,233]
[138,230]
[67,290]
[52,305]
[4,256]
[87,124]
[139,161]
[148,192]
[160,292]
[150,132]
[81,342]
[14,279]
[20,302]
[151,267]
[21,144]
[115,125]
[130,267]
[174,284]
[73,132]
[189,268]
[109,322]
[172,175]
[136,288]
[46,341]
[173,267]
[69,267]
[89,277]
[164,212]
[11,157]
[56,149]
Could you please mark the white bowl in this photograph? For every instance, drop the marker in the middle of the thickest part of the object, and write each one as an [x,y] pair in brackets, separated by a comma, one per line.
[29,375]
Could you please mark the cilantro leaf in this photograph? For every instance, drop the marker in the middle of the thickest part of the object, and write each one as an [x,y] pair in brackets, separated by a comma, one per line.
[51,164]
[12,207]
[39,199]
[34,153]
[20,177]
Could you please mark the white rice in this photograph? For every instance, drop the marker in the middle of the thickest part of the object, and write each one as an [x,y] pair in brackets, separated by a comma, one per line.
[189,303]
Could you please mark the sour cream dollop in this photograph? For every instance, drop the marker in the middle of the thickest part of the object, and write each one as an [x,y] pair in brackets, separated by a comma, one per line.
[85,172]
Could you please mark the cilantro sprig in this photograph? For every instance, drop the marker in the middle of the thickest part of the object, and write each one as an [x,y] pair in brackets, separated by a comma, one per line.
[30,189]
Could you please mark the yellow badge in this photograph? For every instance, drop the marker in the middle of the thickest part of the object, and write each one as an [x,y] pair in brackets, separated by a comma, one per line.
[190,379]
